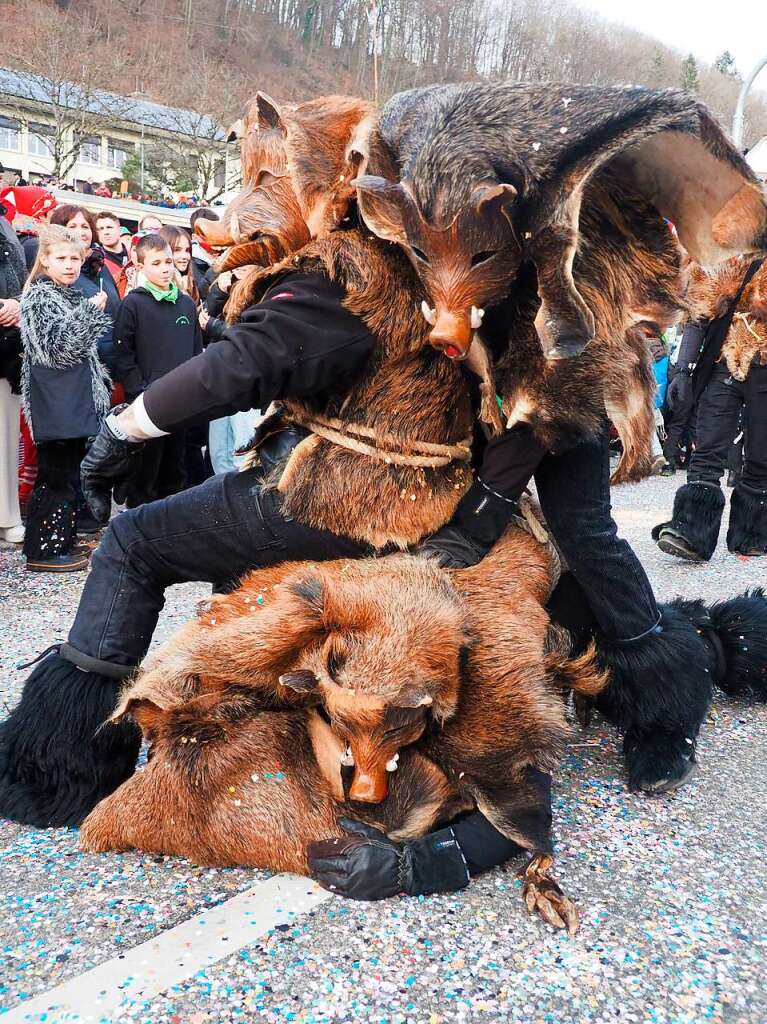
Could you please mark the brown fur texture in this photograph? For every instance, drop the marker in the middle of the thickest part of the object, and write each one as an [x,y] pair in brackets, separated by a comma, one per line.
[386,660]
[328,486]
[630,271]
[297,163]
[711,294]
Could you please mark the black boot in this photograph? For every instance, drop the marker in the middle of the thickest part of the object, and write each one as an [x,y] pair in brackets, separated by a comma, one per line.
[747,534]
[659,692]
[57,758]
[693,530]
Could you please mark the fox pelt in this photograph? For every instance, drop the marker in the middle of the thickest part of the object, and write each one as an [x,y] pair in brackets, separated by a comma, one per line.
[711,294]
[314,670]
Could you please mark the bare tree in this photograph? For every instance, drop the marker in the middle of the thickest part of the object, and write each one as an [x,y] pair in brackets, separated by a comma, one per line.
[68,78]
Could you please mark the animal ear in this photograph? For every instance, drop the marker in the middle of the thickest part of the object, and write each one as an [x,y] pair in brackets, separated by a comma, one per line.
[500,197]
[302,681]
[236,131]
[414,697]
[358,151]
[268,112]
[382,204]
[310,589]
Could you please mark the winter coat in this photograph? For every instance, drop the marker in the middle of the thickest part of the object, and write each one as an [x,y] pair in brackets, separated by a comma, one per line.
[65,389]
[12,274]
[87,287]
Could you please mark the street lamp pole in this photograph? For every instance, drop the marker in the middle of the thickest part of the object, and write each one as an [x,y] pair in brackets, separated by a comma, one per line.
[739,115]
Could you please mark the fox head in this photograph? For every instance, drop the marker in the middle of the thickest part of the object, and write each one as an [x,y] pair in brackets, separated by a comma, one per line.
[297,165]
[386,663]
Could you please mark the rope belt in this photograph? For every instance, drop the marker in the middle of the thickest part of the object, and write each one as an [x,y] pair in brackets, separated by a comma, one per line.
[385,447]
[743,317]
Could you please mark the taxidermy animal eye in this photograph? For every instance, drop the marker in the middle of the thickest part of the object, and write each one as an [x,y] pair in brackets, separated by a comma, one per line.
[482,257]
[419,254]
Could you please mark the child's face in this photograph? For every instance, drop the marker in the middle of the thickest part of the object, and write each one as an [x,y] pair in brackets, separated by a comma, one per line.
[63,264]
[182,254]
[158,267]
[80,227]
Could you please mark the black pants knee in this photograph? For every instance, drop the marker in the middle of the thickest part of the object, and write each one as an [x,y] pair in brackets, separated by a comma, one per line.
[161,471]
[574,491]
[51,512]
[214,532]
[718,421]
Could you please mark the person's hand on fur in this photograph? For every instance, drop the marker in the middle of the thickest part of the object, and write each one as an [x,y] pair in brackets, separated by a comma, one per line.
[10,313]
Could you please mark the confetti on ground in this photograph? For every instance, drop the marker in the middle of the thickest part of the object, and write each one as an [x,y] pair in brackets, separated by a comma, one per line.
[672,890]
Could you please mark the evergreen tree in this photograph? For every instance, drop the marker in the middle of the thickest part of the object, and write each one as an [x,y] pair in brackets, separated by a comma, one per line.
[725,64]
[689,77]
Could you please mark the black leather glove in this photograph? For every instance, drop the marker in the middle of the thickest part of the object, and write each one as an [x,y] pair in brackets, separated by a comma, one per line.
[679,395]
[108,461]
[369,866]
[480,519]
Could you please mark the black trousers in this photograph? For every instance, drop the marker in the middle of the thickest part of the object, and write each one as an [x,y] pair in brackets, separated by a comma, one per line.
[718,424]
[215,532]
[574,492]
[229,525]
[51,512]
[161,472]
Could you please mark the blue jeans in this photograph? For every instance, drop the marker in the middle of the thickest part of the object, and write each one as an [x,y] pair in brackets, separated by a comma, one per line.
[226,435]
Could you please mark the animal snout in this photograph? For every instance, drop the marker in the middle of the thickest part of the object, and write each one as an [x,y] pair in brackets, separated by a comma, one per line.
[217,233]
[369,787]
[452,334]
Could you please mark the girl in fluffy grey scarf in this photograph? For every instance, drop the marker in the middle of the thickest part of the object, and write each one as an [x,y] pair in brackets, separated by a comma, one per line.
[65,394]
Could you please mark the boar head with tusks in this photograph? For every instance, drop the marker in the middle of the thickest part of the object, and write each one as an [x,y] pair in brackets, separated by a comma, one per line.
[475,179]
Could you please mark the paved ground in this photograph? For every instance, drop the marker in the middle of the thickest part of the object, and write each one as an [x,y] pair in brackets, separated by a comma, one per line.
[672,890]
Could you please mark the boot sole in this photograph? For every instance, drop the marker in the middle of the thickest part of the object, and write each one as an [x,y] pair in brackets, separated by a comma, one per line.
[670,546]
[45,567]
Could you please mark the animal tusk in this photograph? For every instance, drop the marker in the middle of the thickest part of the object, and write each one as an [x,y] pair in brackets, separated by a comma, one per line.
[429,315]
[476,317]
[391,766]
[347,758]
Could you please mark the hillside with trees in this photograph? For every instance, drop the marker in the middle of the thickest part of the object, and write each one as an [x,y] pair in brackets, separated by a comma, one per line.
[211,55]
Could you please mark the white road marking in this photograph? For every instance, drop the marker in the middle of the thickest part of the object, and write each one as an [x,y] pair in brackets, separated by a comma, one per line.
[153,967]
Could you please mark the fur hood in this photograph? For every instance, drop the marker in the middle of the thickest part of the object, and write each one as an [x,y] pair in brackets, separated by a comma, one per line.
[59,330]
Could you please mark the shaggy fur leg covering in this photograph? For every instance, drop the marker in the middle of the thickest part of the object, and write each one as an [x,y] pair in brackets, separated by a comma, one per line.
[697,515]
[741,625]
[56,762]
[747,532]
[659,692]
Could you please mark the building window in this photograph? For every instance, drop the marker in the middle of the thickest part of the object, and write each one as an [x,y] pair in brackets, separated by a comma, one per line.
[90,151]
[10,133]
[117,153]
[41,138]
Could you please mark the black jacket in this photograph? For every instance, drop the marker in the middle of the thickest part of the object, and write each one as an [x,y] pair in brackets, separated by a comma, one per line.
[152,338]
[299,341]
[214,303]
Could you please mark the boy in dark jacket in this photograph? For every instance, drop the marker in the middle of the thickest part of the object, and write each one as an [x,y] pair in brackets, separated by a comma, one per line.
[156,331]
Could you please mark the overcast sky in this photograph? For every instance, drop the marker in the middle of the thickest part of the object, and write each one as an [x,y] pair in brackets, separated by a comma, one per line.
[696,26]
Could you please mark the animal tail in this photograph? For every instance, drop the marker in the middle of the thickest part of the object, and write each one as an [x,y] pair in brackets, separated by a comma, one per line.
[735,634]
[582,673]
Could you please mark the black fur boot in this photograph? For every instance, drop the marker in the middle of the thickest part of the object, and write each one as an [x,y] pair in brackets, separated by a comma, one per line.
[659,692]
[57,758]
[741,627]
[747,534]
[693,530]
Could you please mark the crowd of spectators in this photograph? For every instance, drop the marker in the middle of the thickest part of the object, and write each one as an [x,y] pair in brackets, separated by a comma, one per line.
[91,313]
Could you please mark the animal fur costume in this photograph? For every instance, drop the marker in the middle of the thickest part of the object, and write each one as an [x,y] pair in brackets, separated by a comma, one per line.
[386,690]
[398,465]
[542,204]
[477,181]
[380,689]
[737,377]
